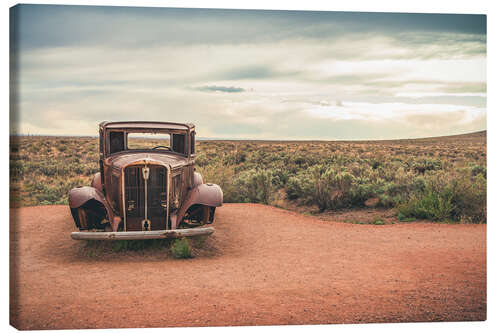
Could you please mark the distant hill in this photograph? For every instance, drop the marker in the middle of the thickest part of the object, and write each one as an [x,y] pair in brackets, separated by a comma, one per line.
[480,135]
[473,136]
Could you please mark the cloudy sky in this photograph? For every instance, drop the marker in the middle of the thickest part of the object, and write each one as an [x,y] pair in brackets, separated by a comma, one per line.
[248,74]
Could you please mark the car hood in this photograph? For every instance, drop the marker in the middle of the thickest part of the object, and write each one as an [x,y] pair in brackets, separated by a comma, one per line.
[121,160]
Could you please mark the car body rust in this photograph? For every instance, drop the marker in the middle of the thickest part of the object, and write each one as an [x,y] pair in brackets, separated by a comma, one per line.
[147,185]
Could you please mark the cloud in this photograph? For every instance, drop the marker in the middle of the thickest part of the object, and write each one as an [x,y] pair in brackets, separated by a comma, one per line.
[272,75]
[221,89]
[251,72]
[436,94]
[430,121]
[147,27]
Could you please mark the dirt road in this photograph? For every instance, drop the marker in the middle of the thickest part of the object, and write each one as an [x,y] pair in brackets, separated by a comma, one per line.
[262,266]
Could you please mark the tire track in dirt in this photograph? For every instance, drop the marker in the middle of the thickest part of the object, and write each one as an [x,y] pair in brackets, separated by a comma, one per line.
[262,266]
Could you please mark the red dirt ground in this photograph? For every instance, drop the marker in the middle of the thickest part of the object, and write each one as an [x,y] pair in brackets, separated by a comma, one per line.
[263,266]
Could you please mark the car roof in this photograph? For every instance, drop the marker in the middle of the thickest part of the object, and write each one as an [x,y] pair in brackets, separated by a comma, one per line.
[145,125]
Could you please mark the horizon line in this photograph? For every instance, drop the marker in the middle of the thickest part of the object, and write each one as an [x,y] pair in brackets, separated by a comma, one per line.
[264,140]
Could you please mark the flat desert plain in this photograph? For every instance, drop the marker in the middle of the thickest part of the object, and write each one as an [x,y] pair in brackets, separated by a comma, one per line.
[262,266]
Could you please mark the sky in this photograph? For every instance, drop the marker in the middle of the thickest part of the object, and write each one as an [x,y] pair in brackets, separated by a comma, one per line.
[248,74]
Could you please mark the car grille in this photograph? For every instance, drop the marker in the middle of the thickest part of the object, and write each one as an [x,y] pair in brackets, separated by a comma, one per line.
[175,192]
[135,198]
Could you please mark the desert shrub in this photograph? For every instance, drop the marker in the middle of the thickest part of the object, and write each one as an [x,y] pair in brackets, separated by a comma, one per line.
[375,164]
[388,201]
[50,196]
[240,157]
[421,166]
[433,206]
[299,160]
[88,169]
[280,176]
[294,188]
[418,185]
[332,175]
[48,169]
[181,249]
[403,218]
[334,188]
[469,198]
[462,197]
[17,170]
[362,191]
[478,170]
[322,186]
[256,186]
[331,188]
[234,157]
[62,147]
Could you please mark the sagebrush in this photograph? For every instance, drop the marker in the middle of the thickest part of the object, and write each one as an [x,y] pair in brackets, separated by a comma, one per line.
[437,178]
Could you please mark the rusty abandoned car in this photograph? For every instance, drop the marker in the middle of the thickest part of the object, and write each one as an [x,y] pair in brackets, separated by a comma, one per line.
[145,190]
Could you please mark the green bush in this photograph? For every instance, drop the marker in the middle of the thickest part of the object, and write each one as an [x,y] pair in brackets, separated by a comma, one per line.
[256,186]
[479,170]
[181,249]
[403,218]
[470,198]
[17,169]
[421,166]
[293,188]
[456,199]
[432,206]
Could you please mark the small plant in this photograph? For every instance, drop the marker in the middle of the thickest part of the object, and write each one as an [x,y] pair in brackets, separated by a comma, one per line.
[403,218]
[181,249]
[378,221]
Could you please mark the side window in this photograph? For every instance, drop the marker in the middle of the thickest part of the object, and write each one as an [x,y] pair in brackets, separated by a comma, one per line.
[179,143]
[100,142]
[192,142]
[116,142]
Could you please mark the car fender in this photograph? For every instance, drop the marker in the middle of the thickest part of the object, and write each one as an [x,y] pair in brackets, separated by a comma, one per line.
[205,194]
[82,194]
[96,182]
[197,179]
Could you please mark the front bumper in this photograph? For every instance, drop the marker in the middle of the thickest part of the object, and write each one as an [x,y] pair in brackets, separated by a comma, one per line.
[133,235]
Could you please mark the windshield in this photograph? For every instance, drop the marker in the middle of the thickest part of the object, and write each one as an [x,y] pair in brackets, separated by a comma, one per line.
[121,140]
[148,140]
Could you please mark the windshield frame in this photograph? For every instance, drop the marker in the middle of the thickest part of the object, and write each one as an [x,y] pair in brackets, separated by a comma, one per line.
[165,131]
